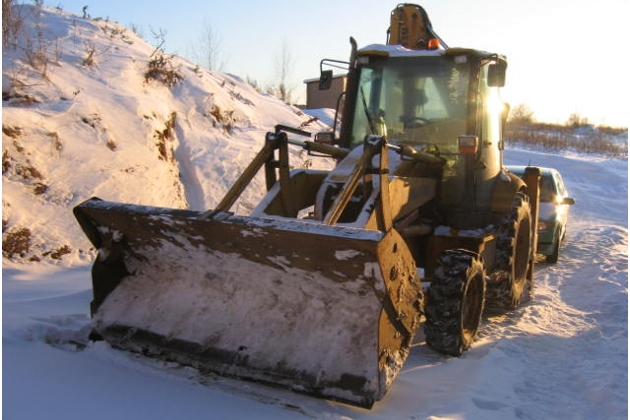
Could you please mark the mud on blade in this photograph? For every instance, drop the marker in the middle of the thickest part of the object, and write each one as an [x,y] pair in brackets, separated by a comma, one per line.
[326,310]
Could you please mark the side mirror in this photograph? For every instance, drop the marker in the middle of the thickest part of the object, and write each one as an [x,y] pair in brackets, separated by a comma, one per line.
[496,73]
[325,79]
[569,201]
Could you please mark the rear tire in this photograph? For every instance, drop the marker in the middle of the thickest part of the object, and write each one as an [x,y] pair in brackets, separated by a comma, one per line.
[513,258]
[455,302]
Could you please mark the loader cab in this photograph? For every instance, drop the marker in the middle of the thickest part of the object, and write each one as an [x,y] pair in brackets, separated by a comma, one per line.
[444,102]
[409,100]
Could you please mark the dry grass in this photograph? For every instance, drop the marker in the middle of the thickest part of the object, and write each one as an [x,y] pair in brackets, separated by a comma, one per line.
[12,131]
[166,135]
[6,161]
[16,242]
[606,141]
[60,252]
[223,118]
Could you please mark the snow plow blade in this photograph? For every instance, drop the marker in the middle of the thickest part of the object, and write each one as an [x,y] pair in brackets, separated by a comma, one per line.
[326,310]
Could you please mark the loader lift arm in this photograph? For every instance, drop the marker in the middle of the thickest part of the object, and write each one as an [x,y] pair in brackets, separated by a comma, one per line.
[287,287]
[275,168]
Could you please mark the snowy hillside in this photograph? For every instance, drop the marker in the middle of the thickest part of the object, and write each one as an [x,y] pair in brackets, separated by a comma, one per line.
[81,118]
[103,129]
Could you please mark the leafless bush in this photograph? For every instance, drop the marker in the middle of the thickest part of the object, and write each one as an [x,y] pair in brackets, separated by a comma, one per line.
[16,242]
[161,68]
[60,252]
[521,114]
[36,56]
[559,138]
[39,51]
[6,161]
[15,89]
[115,31]
[136,29]
[576,120]
[28,172]
[12,131]
[93,120]
[39,188]
[18,99]
[239,97]
[56,144]
[90,50]
[254,83]
[223,118]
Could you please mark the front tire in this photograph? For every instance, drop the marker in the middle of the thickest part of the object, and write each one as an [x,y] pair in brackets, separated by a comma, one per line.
[455,302]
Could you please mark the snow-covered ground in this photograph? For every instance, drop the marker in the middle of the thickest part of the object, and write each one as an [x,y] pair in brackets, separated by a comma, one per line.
[563,355]
[95,130]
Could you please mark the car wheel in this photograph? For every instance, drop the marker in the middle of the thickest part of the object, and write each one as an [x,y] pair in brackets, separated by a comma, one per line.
[553,257]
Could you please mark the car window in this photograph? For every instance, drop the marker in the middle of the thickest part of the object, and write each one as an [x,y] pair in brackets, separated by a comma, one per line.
[547,190]
[560,184]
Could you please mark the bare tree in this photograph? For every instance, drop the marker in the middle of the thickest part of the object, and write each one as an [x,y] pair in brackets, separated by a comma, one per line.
[160,39]
[11,23]
[136,29]
[254,83]
[576,120]
[207,49]
[521,114]
[284,63]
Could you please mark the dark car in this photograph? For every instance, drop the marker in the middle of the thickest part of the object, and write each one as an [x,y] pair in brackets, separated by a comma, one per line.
[553,212]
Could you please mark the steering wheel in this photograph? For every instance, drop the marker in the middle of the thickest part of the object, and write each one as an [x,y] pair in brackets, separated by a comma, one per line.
[429,153]
[415,121]
[431,148]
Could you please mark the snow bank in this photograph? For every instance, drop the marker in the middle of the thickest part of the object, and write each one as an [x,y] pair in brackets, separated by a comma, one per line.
[106,130]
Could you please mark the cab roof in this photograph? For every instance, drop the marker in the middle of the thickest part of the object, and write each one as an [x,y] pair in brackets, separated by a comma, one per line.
[400,51]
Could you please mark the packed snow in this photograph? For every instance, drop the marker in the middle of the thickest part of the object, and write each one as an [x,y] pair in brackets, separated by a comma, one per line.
[103,130]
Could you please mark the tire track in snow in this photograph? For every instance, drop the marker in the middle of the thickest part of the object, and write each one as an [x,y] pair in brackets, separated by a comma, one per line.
[562,349]
[565,352]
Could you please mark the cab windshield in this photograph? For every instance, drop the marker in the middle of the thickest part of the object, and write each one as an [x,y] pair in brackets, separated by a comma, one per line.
[420,100]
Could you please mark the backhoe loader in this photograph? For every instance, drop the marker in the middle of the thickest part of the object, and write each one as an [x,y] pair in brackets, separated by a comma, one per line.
[322,288]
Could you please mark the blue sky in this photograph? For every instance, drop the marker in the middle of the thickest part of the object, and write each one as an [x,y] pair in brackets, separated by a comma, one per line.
[565,56]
